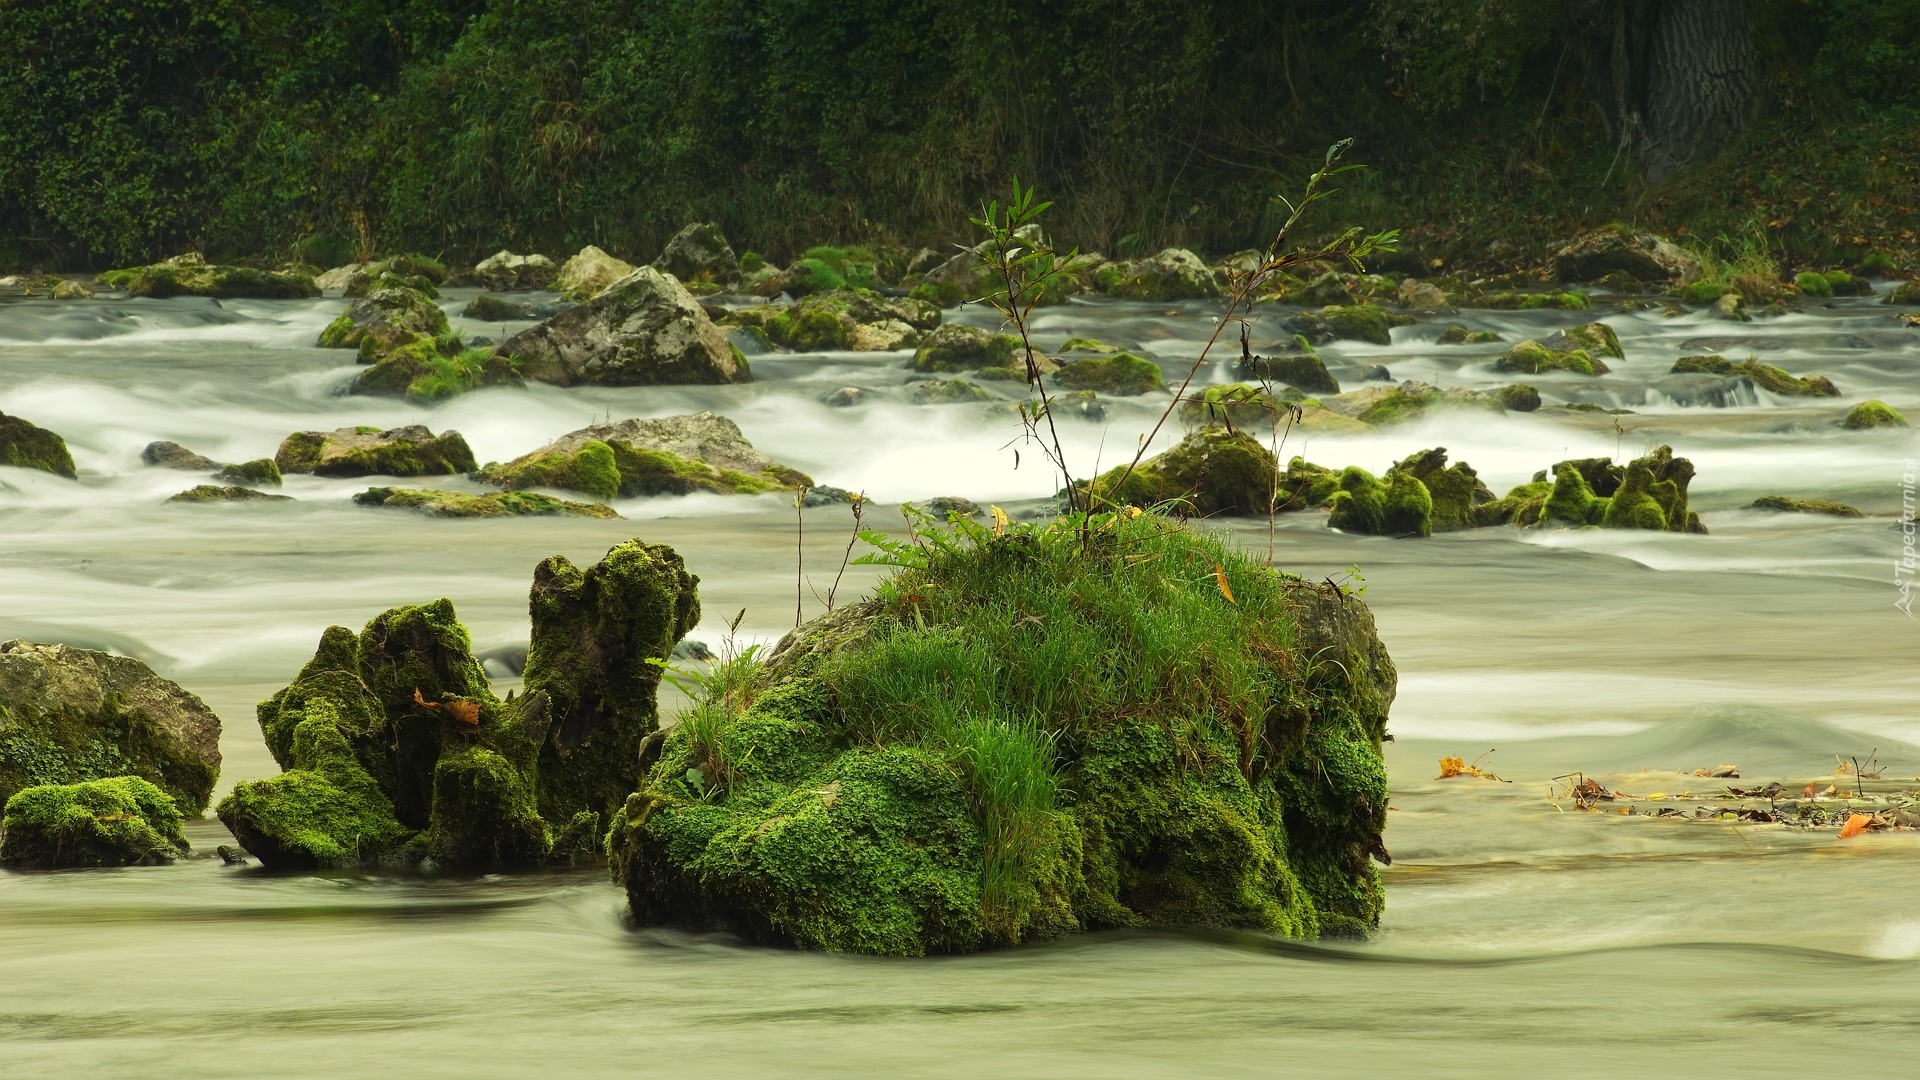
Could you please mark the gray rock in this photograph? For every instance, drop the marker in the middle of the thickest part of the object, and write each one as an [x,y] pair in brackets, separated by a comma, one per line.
[702,452]
[504,271]
[206,493]
[942,505]
[171,455]
[365,451]
[1376,373]
[700,252]
[845,397]
[69,715]
[646,329]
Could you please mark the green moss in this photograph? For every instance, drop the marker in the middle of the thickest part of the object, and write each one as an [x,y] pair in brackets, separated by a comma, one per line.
[1766,376]
[964,348]
[118,821]
[597,634]
[1707,365]
[1532,358]
[1239,405]
[1306,485]
[496,504]
[208,493]
[1460,335]
[27,446]
[409,451]
[1089,345]
[1783,504]
[947,392]
[1212,471]
[1533,301]
[812,329]
[1362,322]
[1304,371]
[1872,414]
[1595,339]
[1812,284]
[42,746]
[190,275]
[1520,506]
[1399,506]
[1571,500]
[1121,374]
[484,308]
[934,772]
[1453,491]
[1518,397]
[263,471]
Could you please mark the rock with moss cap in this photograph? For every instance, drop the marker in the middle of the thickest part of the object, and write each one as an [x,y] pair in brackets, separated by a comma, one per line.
[1594,338]
[1396,505]
[1356,322]
[262,471]
[395,749]
[1766,376]
[117,821]
[860,320]
[700,252]
[1532,358]
[503,271]
[673,455]
[1616,249]
[1171,274]
[25,445]
[1213,471]
[171,455]
[1460,335]
[383,320]
[590,272]
[947,392]
[192,275]
[460,504]
[412,450]
[1872,414]
[964,348]
[69,715]
[1786,504]
[645,329]
[1905,293]
[210,493]
[1121,374]
[1647,493]
[831,806]
[1300,368]
[427,370]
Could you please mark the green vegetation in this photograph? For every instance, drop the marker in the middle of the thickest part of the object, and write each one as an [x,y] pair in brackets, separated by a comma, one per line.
[1872,414]
[25,445]
[459,504]
[1765,376]
[1532,358]
[1122,374]
[118,821]
[1028,735]
[263,471]
[1212,471]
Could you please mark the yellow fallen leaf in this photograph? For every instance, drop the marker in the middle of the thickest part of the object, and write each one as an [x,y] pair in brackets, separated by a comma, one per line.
[1656,796]
[1856,824]
[999,522]
[1220,575]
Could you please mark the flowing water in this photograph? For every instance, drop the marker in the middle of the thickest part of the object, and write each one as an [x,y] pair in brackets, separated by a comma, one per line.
[1520,936]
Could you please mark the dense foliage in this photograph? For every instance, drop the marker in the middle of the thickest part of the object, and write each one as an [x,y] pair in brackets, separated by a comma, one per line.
[328,129]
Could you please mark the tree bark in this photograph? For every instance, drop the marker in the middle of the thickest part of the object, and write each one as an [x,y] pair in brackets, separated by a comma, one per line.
[1674,79]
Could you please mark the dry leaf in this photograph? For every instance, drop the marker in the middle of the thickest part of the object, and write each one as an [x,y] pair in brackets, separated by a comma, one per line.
[1856,824]
[467,713]
[1220,575]
[1451,767]
[999,522]
[1812,790]
[422,702]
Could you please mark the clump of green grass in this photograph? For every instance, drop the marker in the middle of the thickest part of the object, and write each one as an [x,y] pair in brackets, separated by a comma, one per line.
[1743,264]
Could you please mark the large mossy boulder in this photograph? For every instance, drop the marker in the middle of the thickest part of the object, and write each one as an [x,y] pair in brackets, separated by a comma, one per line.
[384,320]
[228,493]
[860,320]
[1171,274]
[165,454]
[673,455]
[394,748]
[1419,496]
[1029,736]
[645,329]
[1616,249]
[1121,374]
[192,275]
[1647,493]
[118,821]
[461,504]
[1302,369]
[70,715]
[1213,471]
[700,252]
[1596,338]
[1872,414]
[412,450]
[1370,323]
[25,445]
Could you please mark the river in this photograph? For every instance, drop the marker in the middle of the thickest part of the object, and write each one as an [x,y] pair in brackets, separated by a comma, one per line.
[1520,937]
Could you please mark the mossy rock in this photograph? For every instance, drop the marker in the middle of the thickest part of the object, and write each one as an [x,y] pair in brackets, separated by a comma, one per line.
[644,330]
[1784,504]
[1305,486]
[1304,370]
[1554,300]
[674,455]
[964,348]
[1595,339]
[425,372]
[1872,414]
[261,471]
[1239,405]
[1370,323]
[1214,471]
[489,308]
[1518,397]
[1121,374]
[350,452]
[1398,505]
[1172,274]
[192,275]
[1648,493]
[69,715]
[458,504]
[1812,284]
[1906,293]
[1519,506]
[1766,376]
[210,493]
[395,749]
[1532,358]
[1453,491]
[927,773]
[1460,335]
[385,320]
[1088,345]
[118,821]
[842,318]
[25,445]
[947,392]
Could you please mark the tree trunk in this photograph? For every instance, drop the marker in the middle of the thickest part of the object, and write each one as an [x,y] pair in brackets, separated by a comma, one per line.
[1674,78]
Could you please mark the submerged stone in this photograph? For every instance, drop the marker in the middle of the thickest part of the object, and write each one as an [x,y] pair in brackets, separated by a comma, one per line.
[1784,504]
[207,493]
[673,455]
[1872,414]
[914,775]
[25,445]
[860,320]
[368,451]
[947,392]
[460,504]
[1765,376]
[118,821]
[69,715]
